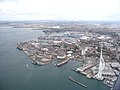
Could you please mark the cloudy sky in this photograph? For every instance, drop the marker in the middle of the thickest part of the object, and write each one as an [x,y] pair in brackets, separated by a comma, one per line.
[59,10]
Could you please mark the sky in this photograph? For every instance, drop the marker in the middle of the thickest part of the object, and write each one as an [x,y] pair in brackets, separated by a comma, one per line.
[59,10]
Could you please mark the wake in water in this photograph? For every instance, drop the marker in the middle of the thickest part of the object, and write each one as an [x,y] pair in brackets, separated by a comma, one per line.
[31,67]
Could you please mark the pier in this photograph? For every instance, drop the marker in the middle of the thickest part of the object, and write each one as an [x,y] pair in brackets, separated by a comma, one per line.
[75,81]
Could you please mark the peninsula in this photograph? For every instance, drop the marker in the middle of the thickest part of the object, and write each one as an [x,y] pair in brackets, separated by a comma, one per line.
[99,51]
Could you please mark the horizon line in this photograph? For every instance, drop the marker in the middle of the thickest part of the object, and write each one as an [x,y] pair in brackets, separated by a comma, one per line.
[61,20]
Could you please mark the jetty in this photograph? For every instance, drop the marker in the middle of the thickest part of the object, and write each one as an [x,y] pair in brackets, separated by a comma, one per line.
[75,81]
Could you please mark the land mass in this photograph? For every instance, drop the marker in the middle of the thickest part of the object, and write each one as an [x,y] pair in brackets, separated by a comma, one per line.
[80,41]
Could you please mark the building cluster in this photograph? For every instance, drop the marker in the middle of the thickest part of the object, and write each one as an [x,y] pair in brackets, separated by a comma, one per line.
[100,53]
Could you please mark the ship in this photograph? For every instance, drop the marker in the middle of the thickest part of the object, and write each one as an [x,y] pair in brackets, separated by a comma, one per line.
[75,81]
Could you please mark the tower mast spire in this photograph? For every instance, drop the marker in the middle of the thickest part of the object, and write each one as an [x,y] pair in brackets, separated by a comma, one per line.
[101,66]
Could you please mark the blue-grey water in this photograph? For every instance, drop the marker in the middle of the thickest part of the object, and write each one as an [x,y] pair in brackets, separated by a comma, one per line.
[17,72]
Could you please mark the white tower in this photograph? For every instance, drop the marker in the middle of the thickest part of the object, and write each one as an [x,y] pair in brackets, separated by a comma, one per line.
[101,67]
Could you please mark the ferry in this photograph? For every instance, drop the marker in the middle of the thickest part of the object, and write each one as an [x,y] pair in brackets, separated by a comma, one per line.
[61,63]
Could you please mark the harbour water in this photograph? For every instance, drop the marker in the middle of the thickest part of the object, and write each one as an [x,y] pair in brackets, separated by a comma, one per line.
[18,73]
